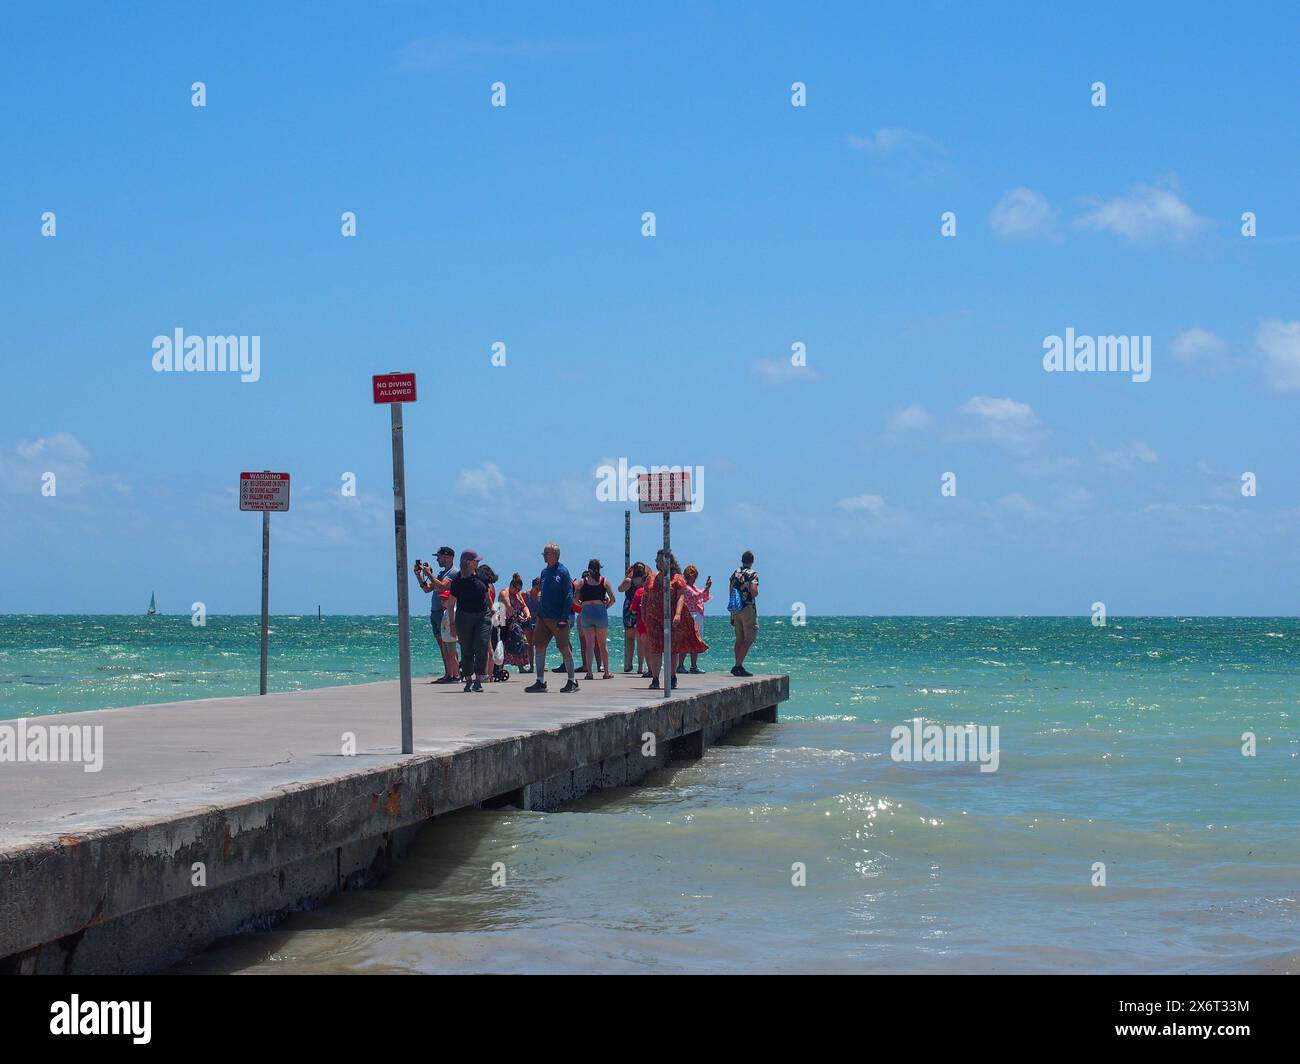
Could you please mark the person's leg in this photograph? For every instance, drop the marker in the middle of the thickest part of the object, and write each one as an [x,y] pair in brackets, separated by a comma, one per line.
[588,636]
[566,650]
[465,623]
[541,637]
[437,640]
[746,633]
[468,631]
[602,651]
[482,648]
[655,651]
[476,648]
[586,662]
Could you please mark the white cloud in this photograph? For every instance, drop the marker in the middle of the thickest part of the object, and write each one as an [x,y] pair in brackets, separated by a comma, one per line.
[1003,420]
[1138,452]
[902,154]
[872,504]
[892,139]
[1182,509]
[487,480]
[912,418]
[1022,212]
[1017,503]
[324,519]
[1280,343]
[783,371]
[1146,212]
[1075,497]
[1200,349]
[61,454]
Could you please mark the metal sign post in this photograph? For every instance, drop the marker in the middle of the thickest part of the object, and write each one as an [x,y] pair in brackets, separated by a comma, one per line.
[665,493]
[266,591]
[668,612]
[267,492]
[396,389]
[627,541]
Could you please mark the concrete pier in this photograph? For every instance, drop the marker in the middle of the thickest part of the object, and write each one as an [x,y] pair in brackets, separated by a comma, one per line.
[215,816]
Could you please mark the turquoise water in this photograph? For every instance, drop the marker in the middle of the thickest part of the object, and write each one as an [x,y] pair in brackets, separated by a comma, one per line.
[1119,745]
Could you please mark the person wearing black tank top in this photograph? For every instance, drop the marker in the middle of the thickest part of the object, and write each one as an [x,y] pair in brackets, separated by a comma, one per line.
[596,597]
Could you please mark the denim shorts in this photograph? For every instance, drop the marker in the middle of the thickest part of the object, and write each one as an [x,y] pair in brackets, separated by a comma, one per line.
[593,615]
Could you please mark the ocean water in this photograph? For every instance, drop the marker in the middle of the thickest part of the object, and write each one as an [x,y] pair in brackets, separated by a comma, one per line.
[1120,745]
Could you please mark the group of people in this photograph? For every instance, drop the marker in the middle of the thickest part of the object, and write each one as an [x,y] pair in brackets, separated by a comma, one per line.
[515,627]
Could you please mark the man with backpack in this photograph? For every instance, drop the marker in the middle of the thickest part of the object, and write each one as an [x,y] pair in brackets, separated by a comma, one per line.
[744,614]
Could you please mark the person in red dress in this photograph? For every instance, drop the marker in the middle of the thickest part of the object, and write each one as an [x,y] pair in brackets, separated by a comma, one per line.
[686,639]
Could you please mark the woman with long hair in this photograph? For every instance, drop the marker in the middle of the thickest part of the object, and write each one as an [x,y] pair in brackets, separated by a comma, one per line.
[596,597]
[531,600]
[517,651]
[633,581]
[695,598]
[685,639]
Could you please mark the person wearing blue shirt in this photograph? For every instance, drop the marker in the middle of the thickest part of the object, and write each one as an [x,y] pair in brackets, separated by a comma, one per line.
[554,611]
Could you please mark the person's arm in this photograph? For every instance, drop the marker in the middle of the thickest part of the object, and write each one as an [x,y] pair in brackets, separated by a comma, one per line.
[420,577]
[451,617]
[627,581]
[753,587]
[610,598]
[568,599]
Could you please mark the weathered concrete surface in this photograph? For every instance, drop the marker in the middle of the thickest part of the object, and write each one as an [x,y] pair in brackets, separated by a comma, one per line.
[97,869]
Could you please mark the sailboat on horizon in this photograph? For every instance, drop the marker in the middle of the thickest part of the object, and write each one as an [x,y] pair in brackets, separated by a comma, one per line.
[153,606]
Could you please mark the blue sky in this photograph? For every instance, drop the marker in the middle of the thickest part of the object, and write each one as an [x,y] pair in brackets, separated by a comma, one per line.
[775,224]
